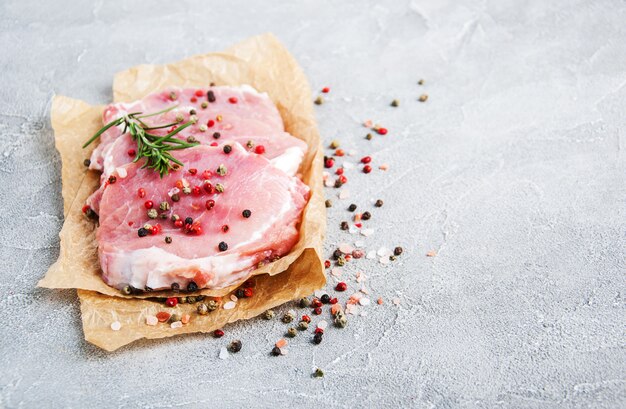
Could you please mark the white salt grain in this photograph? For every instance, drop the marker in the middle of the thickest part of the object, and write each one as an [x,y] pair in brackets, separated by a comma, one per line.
[371,255]
[229,305]
[176,324]
[152,320]
[116,325]
[344,194]
[223,353]
[345,248]
[364,301]
[233,298]
[367,232]
[335,272]
[322,324]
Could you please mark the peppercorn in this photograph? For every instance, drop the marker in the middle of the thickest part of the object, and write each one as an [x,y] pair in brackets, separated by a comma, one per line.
[392,258]
[366,216]
[369,136]
[336,254]
[316,303]
[218,333]
[219,187]
[306,319]
[317,311]
[303,325]
[112,179]
[246,213]
[341,286]
[239,293]
[340,320]
[287,318]
[423,98]
[318,373]
[379,203]
[338,183]
[191,299]
[91,214]
[175,287]
[164,206]
[200,298]
[397,251]
[269,314]
[204,105]
[182,300]
[305,302]
[317,338]
[174,317]
[192,139]
[329,203]
[87,162]
[341,261]
[235,346]
[345,225]
[127,290]
[142,232]
[171,302]
[352,207]
[325,299]
[334,144]
[395,103]
[188,220]
[319,101]
[210,96]
[292,332]
[192,286]
[367,169]
[175,197]
[221,170]
[152,213]
[222,246]
[202,309]
[187,190]
[276,351]
[420,82]
[248,292]
[211,305]
[168,239]
[227,149]
[326,263]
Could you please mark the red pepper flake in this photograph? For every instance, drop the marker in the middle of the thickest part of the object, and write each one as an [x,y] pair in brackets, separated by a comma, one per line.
[210,204]
[171,302]
[210,123]
[367,169]
[359,225]
[199,93]
[196,191]
[218,333]
[193,99]
[248,292]
[341,286]
[329,163]
[213,144]
[148,204]
[260,149]
[325,90]
[163,316]
[131,152]
[334,301]
[366,159]
[141,192]
[339,171]
[232,100]
[382,131]
[306,318]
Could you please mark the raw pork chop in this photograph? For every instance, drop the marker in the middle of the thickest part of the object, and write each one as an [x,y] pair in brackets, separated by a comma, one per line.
[231,114]
[218,238]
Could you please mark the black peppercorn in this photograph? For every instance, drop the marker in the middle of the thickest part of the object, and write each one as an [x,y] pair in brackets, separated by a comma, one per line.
[246,213]
[210,96]
[216,135]
[87,162]
[227,149]
[345,226]
[366,216]
[379,203]
[175,287]
[352,207]
[336,254]
[317,338]
[142,232]
[188,220]
[240,293]
[192,286]
[175,197]
[276,351]
[325,299]
[397,251]
[112,179]
[235,346]
[168,239]
[222,246]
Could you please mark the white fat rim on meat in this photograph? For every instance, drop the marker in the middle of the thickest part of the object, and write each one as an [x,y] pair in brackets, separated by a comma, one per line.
[289,161]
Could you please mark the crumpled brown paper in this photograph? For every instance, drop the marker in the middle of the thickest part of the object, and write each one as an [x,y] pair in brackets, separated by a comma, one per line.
[261,62]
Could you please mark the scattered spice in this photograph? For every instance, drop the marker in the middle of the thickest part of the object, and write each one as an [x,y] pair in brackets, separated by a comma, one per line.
[163,316]
[318,373]
[367,169]
[305,302]
[352,207]
[325,299]
[317,338]
[397,251]
[303,325]
[246,213]
[87,162]
[276,351]
[366,216]
[334,144]
[420,82]
[395,103]
[319,100]
[210,96]
[379,203]
[152,213]
[235,346]
[287,318]
[218,333]
[292,332]
[202,309]
[227,149]
[222,246]
[369,136]
[329,203]
[171,302]
[423,98]
[341,286]
[168,239]
[192,286]
[269,314]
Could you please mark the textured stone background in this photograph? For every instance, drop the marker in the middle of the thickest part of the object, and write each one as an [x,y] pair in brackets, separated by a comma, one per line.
[513,171]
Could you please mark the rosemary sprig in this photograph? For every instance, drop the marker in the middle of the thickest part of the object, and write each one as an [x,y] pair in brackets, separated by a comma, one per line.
[155,148]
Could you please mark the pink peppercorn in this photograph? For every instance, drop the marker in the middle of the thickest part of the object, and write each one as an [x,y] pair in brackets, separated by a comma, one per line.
[366,159]
[367,169]
[341,286]
[171,302]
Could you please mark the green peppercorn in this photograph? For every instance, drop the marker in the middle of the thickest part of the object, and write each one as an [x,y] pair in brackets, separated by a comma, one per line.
[182,300]
[152,213]
[318,373]
[211,305]
[392,258]
[340,320]
[395,103]
[175,317]
[341,261]
[379,203]
[420,82]
[235,346]
[292,332]
[287,318]
[127,290]
[334,144]
[305,302]
[250,144]
[202,309]
[369,136]
[204,104]
[168,239]
[303,325]
[187,190]
[173,96]
[329,203]
[268,315]
[319,100]
[221,170]
[423,98]
[191,299]
[164,206]
[219,187]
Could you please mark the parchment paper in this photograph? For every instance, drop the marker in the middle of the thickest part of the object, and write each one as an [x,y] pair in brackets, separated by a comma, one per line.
[259,61]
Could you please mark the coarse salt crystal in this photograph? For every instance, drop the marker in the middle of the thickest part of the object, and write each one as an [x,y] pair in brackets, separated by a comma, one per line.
[348,165]
[383,251]
[116,325]
[364,301]
[173,191]
[359,243]
[329,183]
[152,320]
[233,298]
[322,324]
[176,324]
[345,248]
[121,173]
[363,314]
[351,309]
[229,305]
[283,351]
[344,194]
[396,301]
[368,123]
[384,166]
[335,272]
[364,290]
[384,260]
[353,230]
[371,254]
[367,232]
[223,353]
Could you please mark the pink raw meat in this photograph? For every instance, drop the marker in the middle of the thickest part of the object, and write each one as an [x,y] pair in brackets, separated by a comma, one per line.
[236,114]
[275,201]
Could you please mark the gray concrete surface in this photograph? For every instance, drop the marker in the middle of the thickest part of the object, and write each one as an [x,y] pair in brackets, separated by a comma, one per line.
[513,171]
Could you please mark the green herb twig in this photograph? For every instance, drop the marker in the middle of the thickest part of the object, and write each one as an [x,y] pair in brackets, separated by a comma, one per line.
[155,148]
